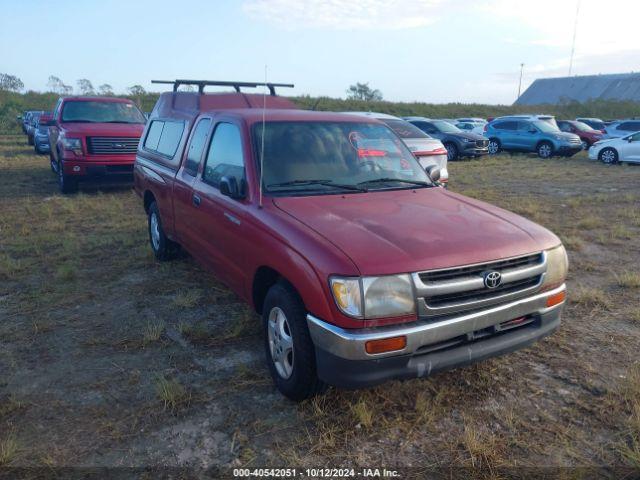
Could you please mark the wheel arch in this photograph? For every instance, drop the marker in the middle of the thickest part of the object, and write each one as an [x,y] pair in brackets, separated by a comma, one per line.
[148,199]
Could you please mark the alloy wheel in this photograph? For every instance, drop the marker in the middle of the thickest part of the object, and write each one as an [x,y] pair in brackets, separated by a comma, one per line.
[280,342]
[154,226]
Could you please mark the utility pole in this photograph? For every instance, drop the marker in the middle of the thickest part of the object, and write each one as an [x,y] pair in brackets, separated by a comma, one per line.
[520,83]
[573,43]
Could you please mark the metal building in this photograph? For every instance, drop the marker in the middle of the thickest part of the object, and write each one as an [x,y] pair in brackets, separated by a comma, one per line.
[620,86]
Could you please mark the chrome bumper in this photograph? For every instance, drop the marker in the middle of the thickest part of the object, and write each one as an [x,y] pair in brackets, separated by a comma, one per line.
[350,344]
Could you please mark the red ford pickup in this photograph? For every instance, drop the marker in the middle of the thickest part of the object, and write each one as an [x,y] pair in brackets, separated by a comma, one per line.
[362,268]
[93,139]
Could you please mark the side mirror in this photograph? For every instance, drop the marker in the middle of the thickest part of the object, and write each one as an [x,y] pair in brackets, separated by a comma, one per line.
[533,130]
[630,139]
[229,187]
[434,172]
[19,117]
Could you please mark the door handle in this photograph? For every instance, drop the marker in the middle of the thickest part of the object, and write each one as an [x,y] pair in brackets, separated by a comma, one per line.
[196,199]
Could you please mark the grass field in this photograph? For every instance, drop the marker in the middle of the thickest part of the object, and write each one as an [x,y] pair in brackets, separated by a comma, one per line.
[108,358]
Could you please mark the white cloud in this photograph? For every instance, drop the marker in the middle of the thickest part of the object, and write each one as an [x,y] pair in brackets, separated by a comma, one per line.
[602,27]
[345,14]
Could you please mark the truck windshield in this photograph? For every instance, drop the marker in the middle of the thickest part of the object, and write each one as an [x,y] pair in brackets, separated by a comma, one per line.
[101,112]
[333,157]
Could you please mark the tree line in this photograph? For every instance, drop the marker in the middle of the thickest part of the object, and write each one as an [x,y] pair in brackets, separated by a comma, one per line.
[84,86]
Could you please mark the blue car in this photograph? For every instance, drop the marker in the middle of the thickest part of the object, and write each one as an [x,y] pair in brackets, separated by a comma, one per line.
[530,135]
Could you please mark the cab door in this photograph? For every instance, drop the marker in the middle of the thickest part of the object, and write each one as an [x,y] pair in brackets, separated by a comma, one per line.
[221,221]
[183,200]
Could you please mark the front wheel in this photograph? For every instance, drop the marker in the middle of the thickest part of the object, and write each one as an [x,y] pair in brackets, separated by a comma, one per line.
[545,150]
[67,183]
[452,151]
[163,248]
[288,346]
[494,146]
[608,156]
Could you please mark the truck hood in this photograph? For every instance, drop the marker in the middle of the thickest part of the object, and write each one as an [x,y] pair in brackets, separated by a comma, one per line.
[103,129]
[387,232]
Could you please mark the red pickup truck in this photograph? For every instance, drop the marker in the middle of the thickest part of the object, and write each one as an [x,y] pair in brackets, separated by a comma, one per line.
[93,139]
[362,268]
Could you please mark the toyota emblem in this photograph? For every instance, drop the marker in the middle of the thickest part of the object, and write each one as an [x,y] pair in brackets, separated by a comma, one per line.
[492,279]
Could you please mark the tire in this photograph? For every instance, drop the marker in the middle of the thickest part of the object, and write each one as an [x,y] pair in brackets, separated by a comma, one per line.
[52,162]
[289,350]
[608,156]
[67,183]
[544,150]
[29,139]
[494,146]
[163,248]
[452,151]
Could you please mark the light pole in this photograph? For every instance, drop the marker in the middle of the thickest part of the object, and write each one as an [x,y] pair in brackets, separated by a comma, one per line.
[520,83]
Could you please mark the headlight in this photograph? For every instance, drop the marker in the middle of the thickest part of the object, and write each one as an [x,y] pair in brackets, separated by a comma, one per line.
[374,297]
[347,293]
[557,268]
[74,144]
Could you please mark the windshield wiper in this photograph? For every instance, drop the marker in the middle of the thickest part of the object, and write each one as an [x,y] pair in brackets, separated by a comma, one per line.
[401,180]
[325,183]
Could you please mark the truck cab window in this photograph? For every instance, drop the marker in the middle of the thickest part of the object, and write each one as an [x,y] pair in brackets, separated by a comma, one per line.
[225,156]
[196,147]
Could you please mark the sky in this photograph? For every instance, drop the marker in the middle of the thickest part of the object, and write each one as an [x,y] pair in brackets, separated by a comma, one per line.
[436,51]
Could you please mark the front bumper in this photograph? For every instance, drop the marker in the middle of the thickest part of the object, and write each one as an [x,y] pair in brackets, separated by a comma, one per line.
[42,142]
[432,345]
[104,170]
[473,150]
[569,149]
[593,152]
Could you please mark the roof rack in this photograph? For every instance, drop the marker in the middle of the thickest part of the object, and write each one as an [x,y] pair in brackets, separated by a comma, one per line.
[236,85]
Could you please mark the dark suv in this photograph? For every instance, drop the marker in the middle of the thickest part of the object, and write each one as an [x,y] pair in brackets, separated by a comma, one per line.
[458,143]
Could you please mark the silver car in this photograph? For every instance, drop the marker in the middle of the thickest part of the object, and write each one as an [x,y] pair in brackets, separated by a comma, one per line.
[429,151]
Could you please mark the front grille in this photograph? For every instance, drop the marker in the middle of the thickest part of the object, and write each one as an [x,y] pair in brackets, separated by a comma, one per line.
[112,145]
[483,293]
[482,143]
[439,275]
[442,292]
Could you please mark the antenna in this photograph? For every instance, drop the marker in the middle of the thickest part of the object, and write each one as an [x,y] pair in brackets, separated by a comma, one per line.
[264,112]
[573,43]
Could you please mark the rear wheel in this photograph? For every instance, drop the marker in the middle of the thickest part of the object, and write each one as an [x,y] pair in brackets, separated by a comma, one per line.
[288,346]
[67,183]
[163,248]
[494,146]
[608,156]
[545,150]
[452,151]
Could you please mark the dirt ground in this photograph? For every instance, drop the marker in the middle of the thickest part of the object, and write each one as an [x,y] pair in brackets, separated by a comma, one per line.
[108,358]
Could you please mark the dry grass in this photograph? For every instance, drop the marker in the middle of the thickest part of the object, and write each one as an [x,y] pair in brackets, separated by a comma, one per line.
[590,297]
[172,394]
[9,448]
[628,279]
[153,331]
[187,298]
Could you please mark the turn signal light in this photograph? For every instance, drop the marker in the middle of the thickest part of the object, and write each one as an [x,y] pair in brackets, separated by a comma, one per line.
[385,345]
[556,298]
